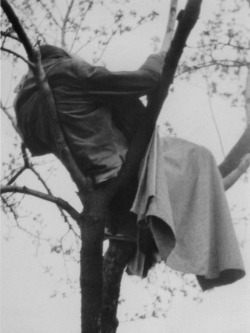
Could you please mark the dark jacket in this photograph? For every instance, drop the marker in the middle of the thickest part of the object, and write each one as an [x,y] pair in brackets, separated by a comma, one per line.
[98,111]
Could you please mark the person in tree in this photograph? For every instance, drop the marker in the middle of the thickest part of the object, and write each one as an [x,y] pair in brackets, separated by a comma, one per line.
[98,109]
[178,196]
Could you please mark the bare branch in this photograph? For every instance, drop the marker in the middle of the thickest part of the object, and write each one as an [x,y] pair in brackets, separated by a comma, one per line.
[34,28]
[105,46]
[211,44]
[48,11]
[47,197]
[30,64]
[187,20]
[35,236]
[10,207]
[222,63]
[90,4]
[12,120]
[21,170]
[232,178]
[241,148]
[28,165]
[39,177]
[247,96]
[65,21]
[209,94]
[170,26]
[7,34]
[14,178]
[25,156]
[61,149]
[18,28]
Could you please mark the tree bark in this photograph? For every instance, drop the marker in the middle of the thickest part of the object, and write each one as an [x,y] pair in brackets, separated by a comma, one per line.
[91,270]
[115,261]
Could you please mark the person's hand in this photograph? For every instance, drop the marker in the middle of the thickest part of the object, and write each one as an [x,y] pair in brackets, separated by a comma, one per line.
[244,163]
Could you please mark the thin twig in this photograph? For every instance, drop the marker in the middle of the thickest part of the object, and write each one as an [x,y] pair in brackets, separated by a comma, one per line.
[38,237]
[222,63]
[29,63]
[50,193]
[65,21]
[12,120]
[10,207]
[90,4]
[6,34]
[239,47]
[105,47]
[213,115]
[48,11]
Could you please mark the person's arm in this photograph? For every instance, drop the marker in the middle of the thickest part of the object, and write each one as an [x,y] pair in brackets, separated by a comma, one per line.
[230,179]
[108,86]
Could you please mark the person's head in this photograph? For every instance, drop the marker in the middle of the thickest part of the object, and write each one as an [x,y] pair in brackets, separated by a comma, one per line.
[52,52]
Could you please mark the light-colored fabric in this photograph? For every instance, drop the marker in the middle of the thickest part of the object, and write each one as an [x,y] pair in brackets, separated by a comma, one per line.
[181,197]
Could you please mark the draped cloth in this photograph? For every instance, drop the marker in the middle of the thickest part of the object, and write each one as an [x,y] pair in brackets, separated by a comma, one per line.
[181,199]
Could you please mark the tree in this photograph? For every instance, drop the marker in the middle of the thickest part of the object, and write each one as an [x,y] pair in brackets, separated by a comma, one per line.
[95,203]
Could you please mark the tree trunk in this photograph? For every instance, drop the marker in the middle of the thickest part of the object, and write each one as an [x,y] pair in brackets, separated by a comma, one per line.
[115,261]
[91,274]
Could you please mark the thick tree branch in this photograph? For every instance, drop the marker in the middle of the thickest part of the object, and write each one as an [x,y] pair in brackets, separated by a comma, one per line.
[187,20]
[170,26]
[18,28]
[61,149]
[241,148]
[247,96]
[47,197]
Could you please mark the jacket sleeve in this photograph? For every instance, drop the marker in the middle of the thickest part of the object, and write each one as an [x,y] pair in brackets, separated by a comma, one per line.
[100,82]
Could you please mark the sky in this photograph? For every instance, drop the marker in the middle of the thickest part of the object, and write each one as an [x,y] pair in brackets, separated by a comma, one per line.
[27,294]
